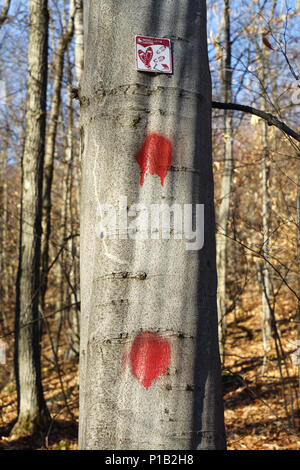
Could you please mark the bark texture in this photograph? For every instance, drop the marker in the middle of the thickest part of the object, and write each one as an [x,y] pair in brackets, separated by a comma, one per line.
[155,286]
[33,413]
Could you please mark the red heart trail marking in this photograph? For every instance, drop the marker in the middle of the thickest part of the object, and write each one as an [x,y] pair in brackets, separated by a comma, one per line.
[146,56]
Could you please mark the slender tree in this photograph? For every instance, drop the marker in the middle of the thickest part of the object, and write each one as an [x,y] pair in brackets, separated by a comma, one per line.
[264,276]
[150,369]
[66,273]
[58,65]
[32,411]
[3,222]
[3,197]
[225,195]
[78,38]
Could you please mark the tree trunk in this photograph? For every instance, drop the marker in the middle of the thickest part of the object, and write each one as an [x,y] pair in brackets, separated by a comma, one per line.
[63,297]
[33,413]
[265,223]
[298,252]
[58,65]
[68,276]
[150,369]
[298,259]
[3,224]
[266,322]
[223,216]
[78,38]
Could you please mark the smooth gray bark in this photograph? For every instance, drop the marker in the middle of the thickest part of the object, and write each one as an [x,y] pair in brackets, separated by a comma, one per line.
[155,286]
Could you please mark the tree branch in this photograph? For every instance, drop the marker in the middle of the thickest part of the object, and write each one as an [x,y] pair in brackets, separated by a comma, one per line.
[271,120]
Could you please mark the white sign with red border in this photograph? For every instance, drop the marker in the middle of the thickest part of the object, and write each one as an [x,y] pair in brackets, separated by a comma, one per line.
[153,54]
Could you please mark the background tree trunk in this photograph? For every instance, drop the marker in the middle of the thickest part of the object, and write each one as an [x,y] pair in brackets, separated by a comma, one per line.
[78,37]
[265,275]
[58,65]
[225,196]
[33,413]
[3,232]
[138,293]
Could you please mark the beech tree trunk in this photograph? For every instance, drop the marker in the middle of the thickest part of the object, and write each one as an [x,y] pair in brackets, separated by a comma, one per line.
[33,414]
[149,367]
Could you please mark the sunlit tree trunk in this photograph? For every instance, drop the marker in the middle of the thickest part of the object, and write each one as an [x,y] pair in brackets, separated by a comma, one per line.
[265,275]
[78,38]
[68,290]
[32,413]
[150,369]
[298,247]
[58,67]
[225,195]
[298,256]
[3,229]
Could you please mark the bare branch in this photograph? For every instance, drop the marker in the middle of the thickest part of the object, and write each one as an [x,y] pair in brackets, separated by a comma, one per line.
[271,120]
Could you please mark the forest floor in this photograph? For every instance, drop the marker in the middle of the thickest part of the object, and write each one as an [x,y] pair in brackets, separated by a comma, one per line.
[261,411]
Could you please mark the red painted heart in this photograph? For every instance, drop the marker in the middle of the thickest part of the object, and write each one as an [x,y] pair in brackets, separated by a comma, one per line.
[146,56]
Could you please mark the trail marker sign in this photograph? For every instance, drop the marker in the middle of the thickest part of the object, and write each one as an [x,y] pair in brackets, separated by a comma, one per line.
[153,54]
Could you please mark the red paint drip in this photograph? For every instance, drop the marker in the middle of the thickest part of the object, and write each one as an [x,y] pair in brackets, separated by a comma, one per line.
[155,156]
[149,357]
